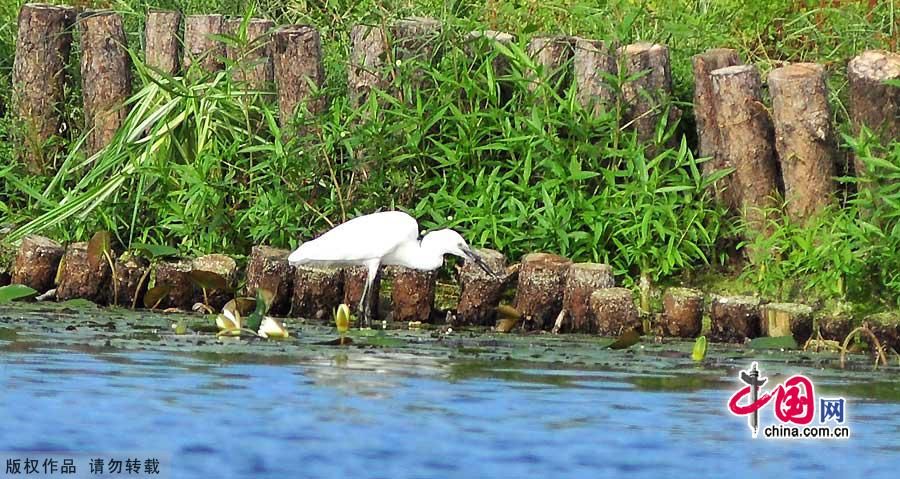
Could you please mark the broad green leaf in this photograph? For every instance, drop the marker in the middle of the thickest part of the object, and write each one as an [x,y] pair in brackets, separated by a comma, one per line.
[208,280]
[699,351]
[626,340]
[99,247]
[13,292]
[155,295]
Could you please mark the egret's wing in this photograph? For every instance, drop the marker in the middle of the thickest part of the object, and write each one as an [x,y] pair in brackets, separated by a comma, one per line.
[362,238]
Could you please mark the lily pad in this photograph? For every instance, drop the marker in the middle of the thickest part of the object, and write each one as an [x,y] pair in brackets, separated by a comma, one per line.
[154,295]
[626,340]
[14,292]
[78,304]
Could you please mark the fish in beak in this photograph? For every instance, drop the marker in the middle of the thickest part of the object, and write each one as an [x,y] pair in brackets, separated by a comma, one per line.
[473,256]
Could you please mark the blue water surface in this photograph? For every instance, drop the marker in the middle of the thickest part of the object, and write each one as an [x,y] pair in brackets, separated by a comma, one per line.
[373,417]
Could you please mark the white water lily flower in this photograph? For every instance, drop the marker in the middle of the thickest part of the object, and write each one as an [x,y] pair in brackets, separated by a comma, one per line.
[271,328]
[229,320]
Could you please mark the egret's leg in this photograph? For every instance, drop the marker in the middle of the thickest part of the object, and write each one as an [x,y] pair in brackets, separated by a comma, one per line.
[363,310]
[369,290]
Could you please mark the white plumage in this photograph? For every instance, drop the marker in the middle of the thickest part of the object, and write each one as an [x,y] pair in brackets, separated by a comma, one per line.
[390,237]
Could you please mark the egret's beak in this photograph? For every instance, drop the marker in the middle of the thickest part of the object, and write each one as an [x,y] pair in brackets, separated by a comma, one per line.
[472,255]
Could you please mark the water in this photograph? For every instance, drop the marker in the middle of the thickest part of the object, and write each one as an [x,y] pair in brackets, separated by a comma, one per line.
[364,413]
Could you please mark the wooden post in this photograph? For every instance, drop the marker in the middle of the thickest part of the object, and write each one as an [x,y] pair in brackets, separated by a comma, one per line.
[872,102]
[39,76]
[223,266]
[582,279]
[368,56]
[540,290]
[129,281]
[647,97]
[707,124]
[268,269]
[787,319]
[592,60]
[354,283]
[199,46]
[317,291]
[747,143]
[415,40]
[412,294]
[105,75]
[551,55]
[480,292]
[80,279]
[298,70]
[176,275]
[682,312]
[161,42]
[614,311]
[36,263]
[804,137]
[253,57]
[734,319]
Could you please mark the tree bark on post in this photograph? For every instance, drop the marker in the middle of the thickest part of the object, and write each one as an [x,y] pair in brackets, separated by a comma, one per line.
[199,46]
[39,76]
[539,294]
[254,56]
[647,97]
[550,55]
[708,134]
[480,292]
[368,55]
[161,42]
[414,41]
[592,60]
[298,70]
[746,134]
[872,102]
[803,137]
[105,76]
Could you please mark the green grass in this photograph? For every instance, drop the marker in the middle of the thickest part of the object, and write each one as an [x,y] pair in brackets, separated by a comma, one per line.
[214,172]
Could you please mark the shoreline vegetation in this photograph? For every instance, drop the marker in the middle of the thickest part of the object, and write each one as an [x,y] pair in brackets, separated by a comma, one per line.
[493,141]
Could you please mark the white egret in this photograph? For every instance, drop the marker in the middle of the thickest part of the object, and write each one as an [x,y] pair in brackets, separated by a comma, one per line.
[389,238]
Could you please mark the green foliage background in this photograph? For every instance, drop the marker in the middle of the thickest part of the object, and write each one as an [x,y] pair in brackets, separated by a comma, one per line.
[532,173]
